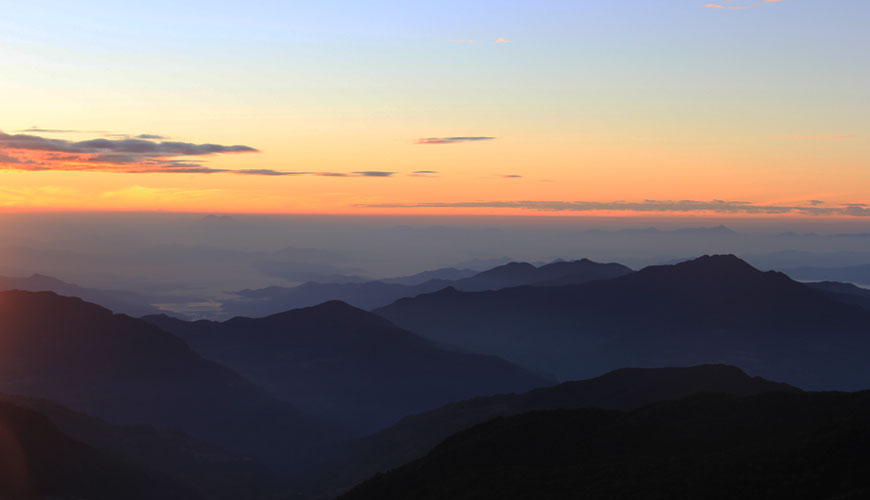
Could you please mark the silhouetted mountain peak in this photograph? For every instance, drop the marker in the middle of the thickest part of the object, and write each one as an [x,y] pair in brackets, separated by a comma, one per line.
[509,269]
[332,311]
[707,270]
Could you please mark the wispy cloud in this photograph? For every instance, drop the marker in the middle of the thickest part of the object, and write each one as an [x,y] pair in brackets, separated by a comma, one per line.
[736,5]
[141,154]
[134,155]
[374,173]
[267,171]
[681,206]
[503,40]
[511,176]
[361,173]
[452,140]
[424,172]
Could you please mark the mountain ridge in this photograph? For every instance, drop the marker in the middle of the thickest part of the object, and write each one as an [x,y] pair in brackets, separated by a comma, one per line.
[714,309]
[348,365]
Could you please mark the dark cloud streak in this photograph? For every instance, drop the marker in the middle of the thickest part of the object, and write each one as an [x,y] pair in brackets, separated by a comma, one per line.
[714,206]
[452,140]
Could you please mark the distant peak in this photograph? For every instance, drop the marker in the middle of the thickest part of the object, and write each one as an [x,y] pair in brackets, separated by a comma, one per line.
[707,267]
[332,306]
[719,260]
[516,265]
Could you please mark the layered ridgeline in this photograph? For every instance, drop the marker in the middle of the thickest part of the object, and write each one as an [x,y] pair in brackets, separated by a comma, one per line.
[128,371]
[208,470]
[844,292]
[347,365]
[120,301]
[715,309]
[37,460]
[769,446]
[372,294]
[624,389]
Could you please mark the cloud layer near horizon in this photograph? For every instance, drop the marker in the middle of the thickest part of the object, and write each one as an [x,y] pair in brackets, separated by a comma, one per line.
[684,206]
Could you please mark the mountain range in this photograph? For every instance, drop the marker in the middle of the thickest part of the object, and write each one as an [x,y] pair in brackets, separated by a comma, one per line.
[38,461]
[844,292]
[373,294]
[120,301]
[714,309]
[346,365]
[206,470]
[127,371]
[769,446]
[848,274]
[624,389]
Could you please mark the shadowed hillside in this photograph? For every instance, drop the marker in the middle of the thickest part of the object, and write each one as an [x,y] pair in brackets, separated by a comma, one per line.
[38,461]
[348,365]
[769,446]
[624,389]
[209,470]
[128,371]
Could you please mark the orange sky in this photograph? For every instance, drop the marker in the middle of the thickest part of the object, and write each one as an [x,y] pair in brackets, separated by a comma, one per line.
[624,108]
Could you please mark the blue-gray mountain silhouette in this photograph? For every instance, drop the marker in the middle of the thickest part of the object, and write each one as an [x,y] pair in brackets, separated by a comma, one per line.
[128,371]
[369,295]
[844,292]
[120,301]
[714,309]
[347,365]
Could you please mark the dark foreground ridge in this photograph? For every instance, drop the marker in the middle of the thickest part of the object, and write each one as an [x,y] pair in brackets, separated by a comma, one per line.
[624,389]
[38,461]
[769,446]
[208,470]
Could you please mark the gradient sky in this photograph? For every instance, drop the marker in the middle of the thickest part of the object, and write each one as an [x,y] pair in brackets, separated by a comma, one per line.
[676,107]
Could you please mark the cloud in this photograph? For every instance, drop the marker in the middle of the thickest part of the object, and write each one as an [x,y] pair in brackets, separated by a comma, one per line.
[374,173]
[125,154]
[685,206]
[511,176]
[424,172]
[11,160]
[38,130]
[267,171]
[729,5]
[145,153]
[363,173]
[452,140]
[502,40]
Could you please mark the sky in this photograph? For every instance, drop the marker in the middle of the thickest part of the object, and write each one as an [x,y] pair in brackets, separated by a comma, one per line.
[635,108]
